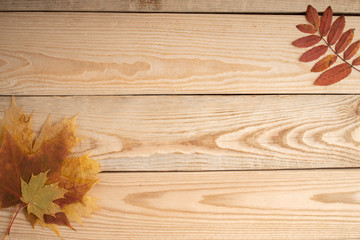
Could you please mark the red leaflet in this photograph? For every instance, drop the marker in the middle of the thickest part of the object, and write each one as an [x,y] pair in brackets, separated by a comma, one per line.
[324,63]
[306,28]
[352,50]
[345,40]
[325,22]
[333,75]
[307,41]
[312,16]
[356,61]
[313,53]
[335,36]
[336,30]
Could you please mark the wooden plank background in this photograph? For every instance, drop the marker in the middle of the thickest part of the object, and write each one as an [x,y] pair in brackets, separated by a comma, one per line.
[112,53]
[193,116]
[321,204]
[195,133]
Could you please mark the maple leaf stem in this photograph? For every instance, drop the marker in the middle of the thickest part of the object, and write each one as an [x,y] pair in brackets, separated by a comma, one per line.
[12,219]
[339,55]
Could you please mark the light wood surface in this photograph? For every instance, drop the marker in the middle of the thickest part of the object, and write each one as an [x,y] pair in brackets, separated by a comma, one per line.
[320,204]
[224,6]
[139,83]
[195,133]
[109,53]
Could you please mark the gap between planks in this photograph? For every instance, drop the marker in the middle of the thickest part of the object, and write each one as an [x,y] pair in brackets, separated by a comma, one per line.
[233,170]
[208,6]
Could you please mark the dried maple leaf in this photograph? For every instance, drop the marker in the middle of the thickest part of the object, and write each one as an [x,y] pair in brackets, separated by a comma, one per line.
[38,197]
[78,175]
[76,211]
[18,125]
[39,174]
[335,35]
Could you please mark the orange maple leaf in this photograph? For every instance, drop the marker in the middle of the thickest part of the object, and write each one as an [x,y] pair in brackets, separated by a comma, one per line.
[22,156]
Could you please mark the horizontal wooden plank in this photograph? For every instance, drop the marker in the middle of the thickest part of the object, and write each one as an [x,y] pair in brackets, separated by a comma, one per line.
[316,204]
[223,6]
[108,53]
[163,133]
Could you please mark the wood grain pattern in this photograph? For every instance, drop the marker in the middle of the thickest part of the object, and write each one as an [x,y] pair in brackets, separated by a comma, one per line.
[194,133]
[107,53]
[224,6]
[315,204]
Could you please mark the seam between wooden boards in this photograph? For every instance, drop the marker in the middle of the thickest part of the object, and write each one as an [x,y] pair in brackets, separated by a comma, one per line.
[170,12]
[181,94]
[237,170]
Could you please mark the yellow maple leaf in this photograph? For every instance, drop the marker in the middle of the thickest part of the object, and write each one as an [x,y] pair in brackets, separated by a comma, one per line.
[35,170]
[76,211]
[18,124]
[49,131]
[38,197]
[81,171]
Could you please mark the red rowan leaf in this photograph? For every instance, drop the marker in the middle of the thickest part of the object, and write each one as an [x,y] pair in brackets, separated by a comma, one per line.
[324,63]
[312,16]
[306,28]
[325,22]
[345,40]
[336,30]
[356,61]
[313,53]
[333,75]
[307,41]
[352,50]
[335,36]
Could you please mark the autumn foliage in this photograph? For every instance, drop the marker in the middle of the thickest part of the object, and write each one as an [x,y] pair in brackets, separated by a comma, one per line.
[338,41]
[40,176]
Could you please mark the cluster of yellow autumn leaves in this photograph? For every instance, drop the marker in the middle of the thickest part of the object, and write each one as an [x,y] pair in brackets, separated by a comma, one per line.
[40,175]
